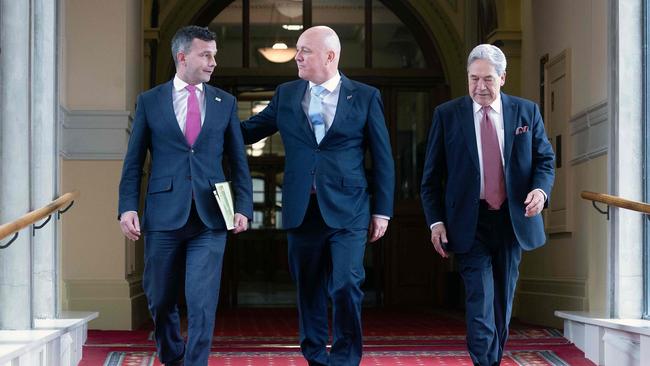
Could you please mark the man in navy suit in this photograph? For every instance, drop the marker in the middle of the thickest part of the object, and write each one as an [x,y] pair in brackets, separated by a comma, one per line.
[327,122]
[186,126]
[487,176]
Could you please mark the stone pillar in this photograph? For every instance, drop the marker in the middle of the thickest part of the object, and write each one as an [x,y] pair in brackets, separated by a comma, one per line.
[15,261]
[43,158]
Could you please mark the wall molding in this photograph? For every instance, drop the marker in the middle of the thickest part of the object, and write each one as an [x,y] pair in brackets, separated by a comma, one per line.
[537,299]
[121,303]
[94,134]
[574,287]
[589,133]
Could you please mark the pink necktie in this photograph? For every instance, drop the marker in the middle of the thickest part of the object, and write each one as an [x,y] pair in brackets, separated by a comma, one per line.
[193,120]
[495,188]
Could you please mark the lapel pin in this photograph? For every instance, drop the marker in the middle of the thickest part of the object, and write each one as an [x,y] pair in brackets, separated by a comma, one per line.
[217,99]
[349,97]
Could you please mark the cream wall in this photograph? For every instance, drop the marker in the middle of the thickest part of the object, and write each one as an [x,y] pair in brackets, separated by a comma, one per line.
[551,26]
[570,272]
[100,73]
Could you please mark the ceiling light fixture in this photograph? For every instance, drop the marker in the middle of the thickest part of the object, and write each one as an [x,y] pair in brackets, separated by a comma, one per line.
[292,27]
[279,53]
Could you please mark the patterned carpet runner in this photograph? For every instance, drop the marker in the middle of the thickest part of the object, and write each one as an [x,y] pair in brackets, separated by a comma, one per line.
[265,337]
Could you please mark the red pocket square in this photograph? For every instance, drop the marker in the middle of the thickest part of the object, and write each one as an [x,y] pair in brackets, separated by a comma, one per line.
[521,130]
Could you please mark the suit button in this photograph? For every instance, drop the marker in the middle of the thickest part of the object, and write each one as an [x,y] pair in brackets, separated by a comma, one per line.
[189,177]
[317,150]
[192,151]
[313,172]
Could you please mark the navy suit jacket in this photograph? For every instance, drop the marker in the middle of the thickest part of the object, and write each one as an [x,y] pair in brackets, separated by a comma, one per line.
[451,178]
[178,169]
[337,164]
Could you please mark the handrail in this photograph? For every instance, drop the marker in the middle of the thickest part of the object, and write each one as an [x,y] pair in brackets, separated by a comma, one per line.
[32,217]
[616,201]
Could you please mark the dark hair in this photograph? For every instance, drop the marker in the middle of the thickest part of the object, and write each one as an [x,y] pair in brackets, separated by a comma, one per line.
[183,38]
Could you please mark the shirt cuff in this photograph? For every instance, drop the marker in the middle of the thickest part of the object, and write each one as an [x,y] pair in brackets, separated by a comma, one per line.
[382,217]
[435,224]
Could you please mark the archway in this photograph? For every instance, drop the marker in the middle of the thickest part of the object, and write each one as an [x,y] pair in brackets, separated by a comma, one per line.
[402,270]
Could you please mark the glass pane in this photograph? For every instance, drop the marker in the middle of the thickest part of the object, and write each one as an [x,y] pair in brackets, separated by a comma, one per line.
[413,110]
[393,44]
[268,146]
[274,30]
[279,179]
[347,18]
[258,220]
[228,27]
[258,190]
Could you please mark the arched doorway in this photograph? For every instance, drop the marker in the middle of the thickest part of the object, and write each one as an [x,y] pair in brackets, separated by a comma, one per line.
[384,44]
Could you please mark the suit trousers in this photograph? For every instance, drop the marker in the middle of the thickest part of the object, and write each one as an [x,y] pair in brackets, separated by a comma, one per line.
[327,263]
[194,254]
[490,271]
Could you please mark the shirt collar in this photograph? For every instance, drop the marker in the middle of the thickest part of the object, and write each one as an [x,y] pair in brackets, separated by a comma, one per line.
[496,105]
[180,84]
[330,84]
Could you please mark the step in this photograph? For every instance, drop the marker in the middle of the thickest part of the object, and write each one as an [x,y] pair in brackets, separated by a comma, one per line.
[52,342]
[608,341]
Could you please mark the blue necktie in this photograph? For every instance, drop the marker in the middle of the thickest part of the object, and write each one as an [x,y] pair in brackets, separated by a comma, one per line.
[316,112]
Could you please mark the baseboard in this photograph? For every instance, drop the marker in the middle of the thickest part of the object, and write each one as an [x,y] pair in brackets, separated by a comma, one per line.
[120,303]
[538,298]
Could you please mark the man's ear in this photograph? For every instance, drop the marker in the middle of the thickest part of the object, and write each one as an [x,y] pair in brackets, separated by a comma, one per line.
[331,56]
[180,58]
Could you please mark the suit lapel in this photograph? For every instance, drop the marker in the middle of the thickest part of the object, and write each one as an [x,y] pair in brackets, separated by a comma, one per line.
[215,111]
[466,118]
[166,102]
[302,120]
[346,98]
[509,125]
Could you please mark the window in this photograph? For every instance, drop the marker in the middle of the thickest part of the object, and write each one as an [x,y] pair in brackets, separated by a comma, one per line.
[263,33]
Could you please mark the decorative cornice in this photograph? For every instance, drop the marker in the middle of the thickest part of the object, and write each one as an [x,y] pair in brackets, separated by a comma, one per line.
[94,135]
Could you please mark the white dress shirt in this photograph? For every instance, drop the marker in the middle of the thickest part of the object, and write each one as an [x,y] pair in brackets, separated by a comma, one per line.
[330,100]
[496,116]
[497,119]
[179,100]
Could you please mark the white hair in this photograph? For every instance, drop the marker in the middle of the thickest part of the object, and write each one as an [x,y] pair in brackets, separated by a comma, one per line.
[490,53]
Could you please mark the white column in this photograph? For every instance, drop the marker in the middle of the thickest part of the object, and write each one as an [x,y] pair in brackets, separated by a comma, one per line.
[626,157]
[15,261]
[44,153]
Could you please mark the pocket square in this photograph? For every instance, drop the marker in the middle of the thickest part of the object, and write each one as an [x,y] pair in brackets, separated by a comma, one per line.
[521,130]
[217,99]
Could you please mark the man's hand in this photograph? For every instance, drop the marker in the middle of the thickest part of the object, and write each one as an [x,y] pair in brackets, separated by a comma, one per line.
[377,228]
[439,238]
[241,223]
[130,225]
[534,203]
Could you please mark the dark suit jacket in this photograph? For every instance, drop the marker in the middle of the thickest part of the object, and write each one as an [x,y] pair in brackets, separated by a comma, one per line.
[451,178]
[338,162]
[178,169]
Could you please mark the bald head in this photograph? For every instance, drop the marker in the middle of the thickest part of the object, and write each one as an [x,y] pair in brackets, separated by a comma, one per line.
[318,53]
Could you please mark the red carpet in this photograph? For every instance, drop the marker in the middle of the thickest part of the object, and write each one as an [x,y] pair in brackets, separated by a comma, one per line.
[266,337]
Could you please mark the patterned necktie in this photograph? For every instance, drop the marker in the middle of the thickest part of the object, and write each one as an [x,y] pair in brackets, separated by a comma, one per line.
[316,112]
[193,119]
[495,188]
